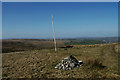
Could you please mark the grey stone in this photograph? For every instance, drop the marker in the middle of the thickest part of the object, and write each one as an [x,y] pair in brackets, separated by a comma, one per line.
[69,63]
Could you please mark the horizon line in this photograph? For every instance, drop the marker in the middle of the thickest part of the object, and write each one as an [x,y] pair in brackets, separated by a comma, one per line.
[63,38]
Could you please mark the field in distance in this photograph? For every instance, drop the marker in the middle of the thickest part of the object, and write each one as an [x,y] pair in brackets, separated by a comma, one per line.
[100,60]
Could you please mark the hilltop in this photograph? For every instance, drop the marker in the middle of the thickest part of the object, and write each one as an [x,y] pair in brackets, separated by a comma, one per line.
[100,61]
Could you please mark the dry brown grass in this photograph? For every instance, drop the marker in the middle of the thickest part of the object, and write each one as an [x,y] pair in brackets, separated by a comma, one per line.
[94,63]
[14,45]
[99,62]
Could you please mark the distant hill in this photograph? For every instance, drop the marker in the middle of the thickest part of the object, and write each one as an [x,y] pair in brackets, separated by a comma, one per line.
[105,39]
[13,45]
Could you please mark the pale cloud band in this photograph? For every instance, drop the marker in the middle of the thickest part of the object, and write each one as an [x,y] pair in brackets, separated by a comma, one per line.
[60,0]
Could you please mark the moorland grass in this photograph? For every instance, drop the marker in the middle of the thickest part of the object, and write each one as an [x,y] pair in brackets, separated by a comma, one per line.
[100,61]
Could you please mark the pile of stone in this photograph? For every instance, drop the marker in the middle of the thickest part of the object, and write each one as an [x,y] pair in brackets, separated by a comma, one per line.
[69,63]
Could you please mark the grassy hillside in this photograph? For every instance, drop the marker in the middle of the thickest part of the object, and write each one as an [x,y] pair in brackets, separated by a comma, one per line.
[14,45]
[100,61]
[84,42]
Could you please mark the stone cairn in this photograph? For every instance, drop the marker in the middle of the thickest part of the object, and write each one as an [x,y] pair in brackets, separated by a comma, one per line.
[69,63]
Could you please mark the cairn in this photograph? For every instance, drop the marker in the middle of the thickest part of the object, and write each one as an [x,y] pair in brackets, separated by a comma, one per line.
[69,63]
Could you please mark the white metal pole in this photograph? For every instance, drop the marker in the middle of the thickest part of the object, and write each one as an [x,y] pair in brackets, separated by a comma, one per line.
[54,34]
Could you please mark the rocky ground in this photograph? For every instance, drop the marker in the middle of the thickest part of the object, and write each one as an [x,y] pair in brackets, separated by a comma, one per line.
[69,63]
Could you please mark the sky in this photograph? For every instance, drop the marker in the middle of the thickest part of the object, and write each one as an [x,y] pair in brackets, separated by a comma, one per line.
[60,0]
[71,19]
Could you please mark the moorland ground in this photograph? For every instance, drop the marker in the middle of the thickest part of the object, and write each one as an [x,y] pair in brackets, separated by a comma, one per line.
[100,61]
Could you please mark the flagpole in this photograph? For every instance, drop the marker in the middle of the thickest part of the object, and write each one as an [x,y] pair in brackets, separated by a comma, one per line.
[54,34]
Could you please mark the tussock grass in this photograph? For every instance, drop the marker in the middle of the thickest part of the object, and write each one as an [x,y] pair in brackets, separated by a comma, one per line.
[99,62]
[94,63]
